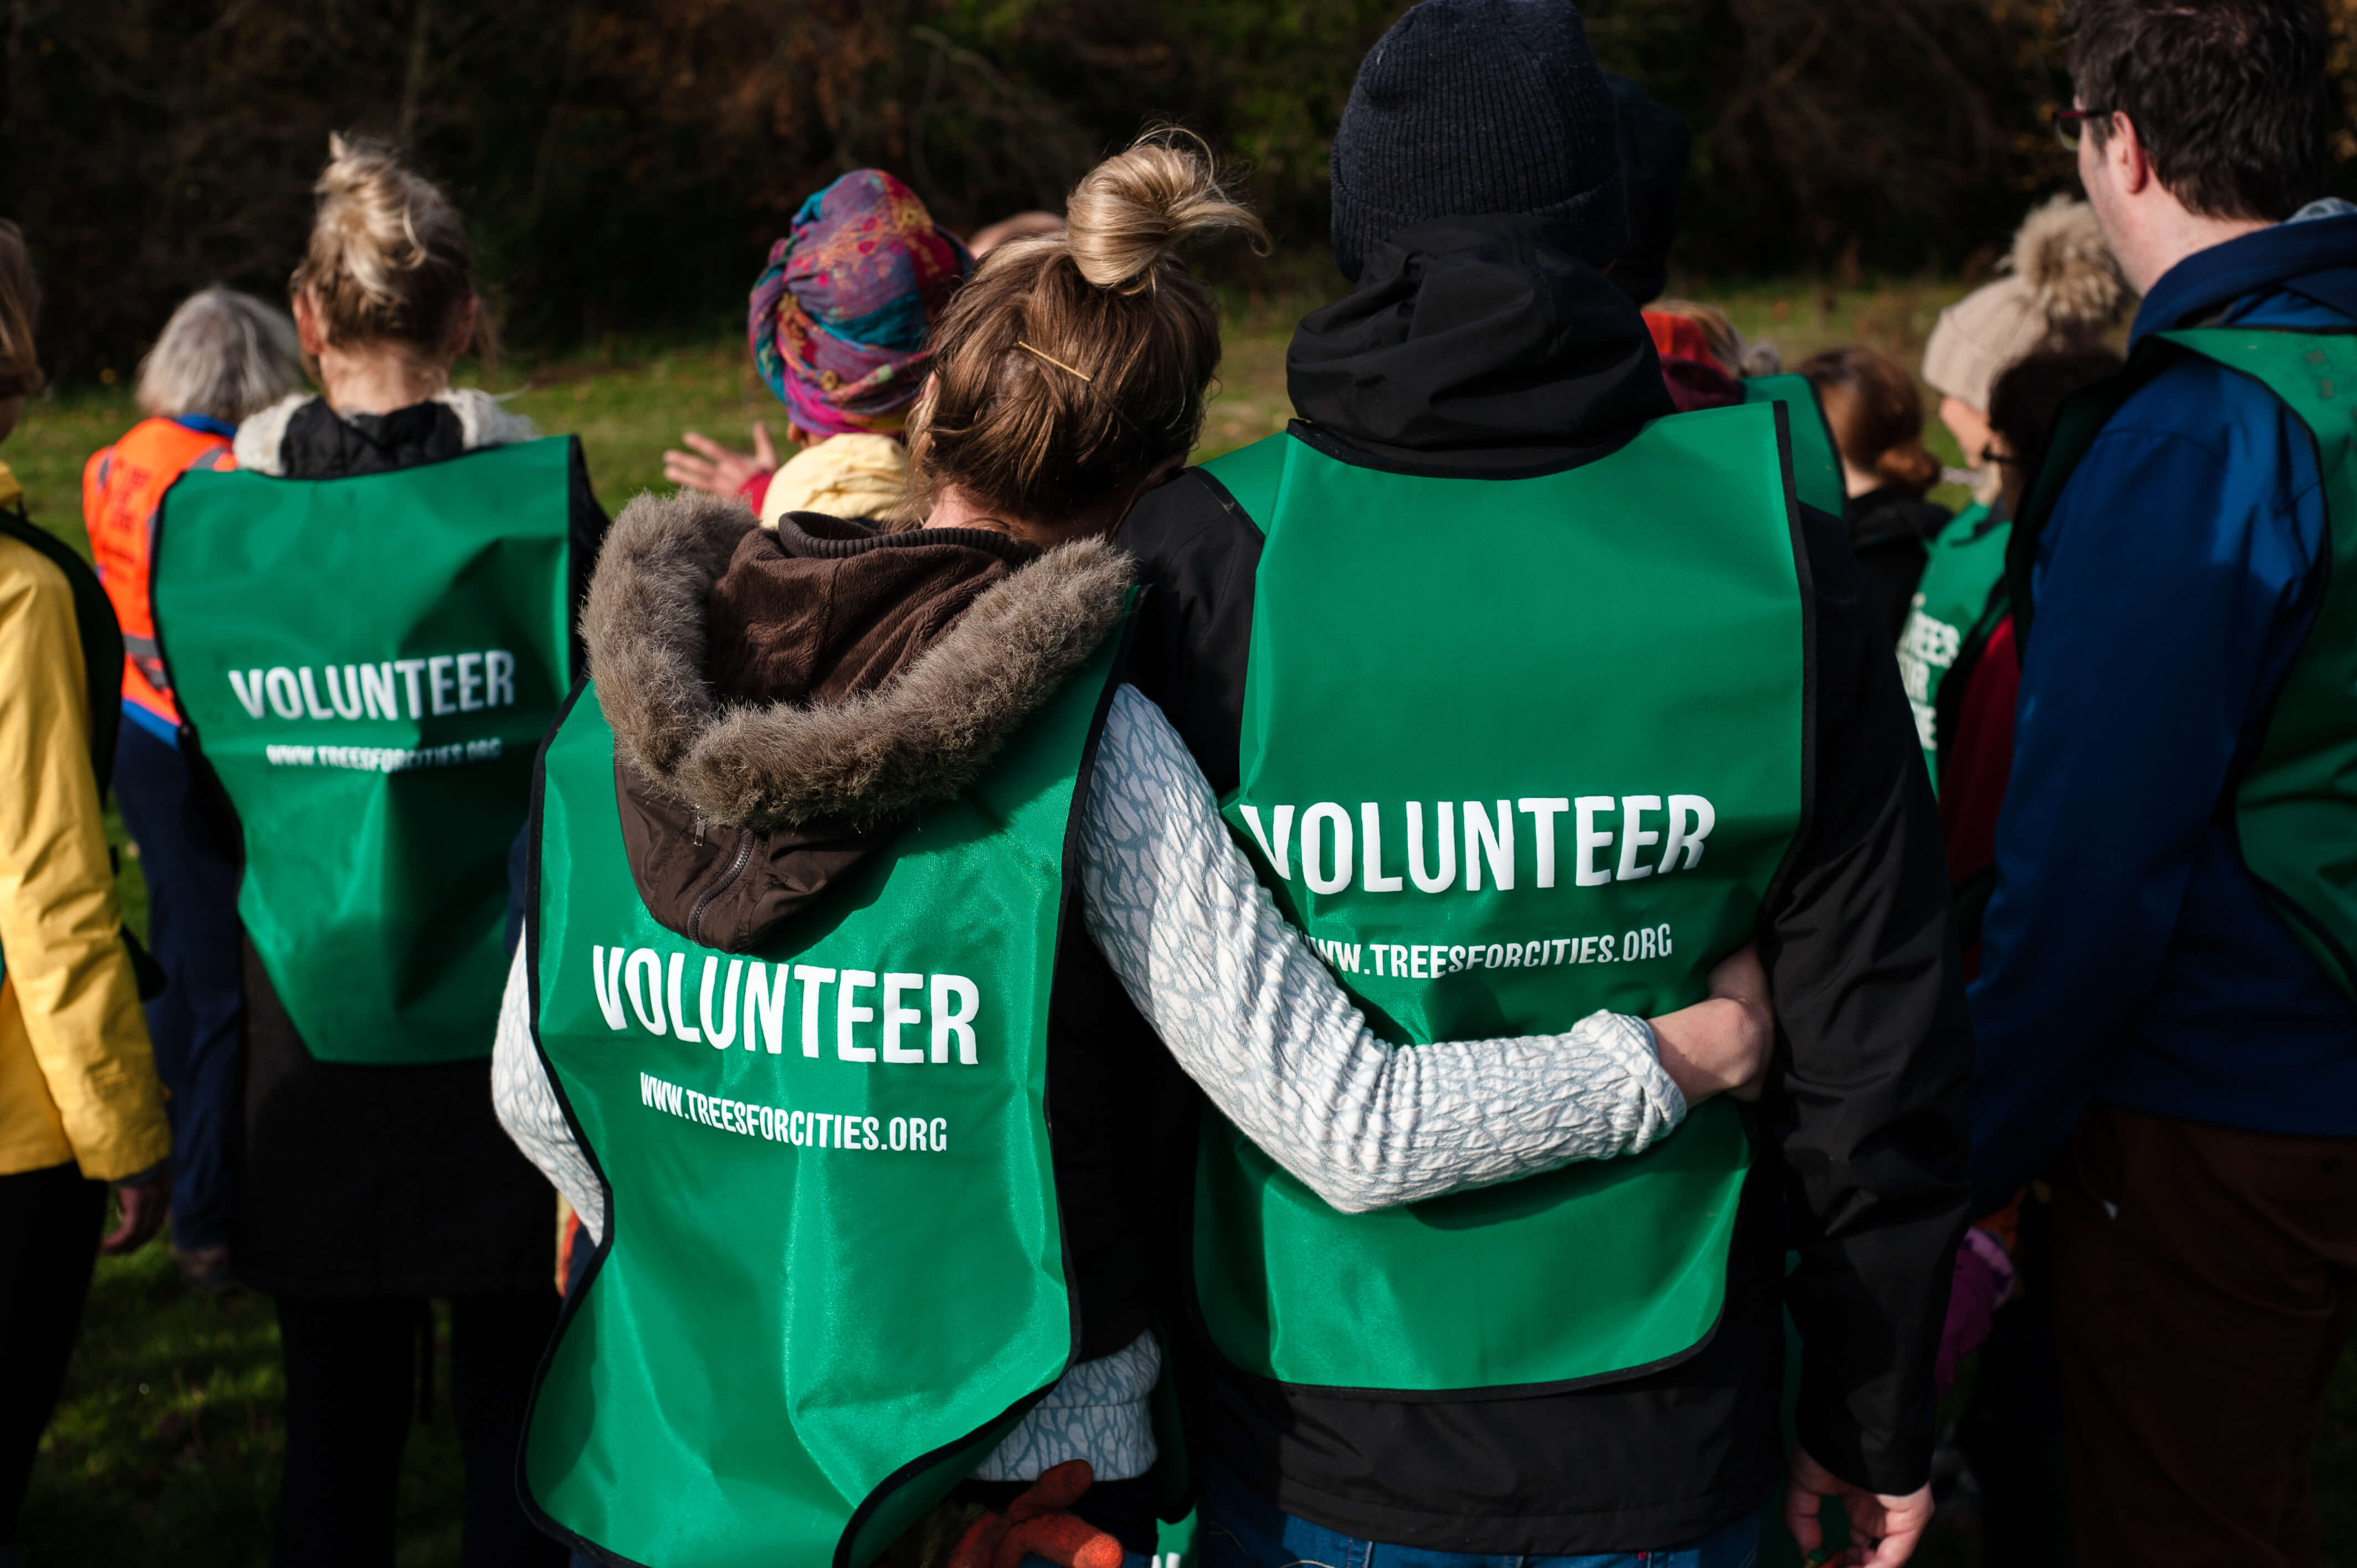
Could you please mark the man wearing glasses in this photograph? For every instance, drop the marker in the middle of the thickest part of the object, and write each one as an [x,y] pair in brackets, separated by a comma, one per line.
[2165,1013]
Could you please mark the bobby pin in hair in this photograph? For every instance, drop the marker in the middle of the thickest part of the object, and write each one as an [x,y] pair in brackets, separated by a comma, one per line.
[1043,354]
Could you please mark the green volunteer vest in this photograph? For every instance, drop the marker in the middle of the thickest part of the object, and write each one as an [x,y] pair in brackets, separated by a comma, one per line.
[1957,603]
[834,1274]
[2295,807]
[1817,469]
[1501,784]
[367,663]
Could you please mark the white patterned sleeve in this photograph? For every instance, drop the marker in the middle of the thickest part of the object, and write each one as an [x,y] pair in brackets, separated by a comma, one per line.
[526,1104]
[1255,1018]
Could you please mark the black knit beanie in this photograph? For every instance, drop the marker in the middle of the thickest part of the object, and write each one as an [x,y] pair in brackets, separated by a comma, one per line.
[1655,146]
[1469,107]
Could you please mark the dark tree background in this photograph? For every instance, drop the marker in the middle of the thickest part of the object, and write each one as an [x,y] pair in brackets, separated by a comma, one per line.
[624,164]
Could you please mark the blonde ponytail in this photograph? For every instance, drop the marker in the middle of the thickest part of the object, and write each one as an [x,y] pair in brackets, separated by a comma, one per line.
[1071,364]
[388,258]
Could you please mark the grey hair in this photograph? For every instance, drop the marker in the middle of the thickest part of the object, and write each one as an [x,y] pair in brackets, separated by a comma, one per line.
[223,353]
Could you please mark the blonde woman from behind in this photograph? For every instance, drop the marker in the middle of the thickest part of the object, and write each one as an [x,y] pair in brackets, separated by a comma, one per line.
[367,627]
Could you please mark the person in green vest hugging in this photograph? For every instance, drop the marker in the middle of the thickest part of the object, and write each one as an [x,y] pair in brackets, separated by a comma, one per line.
[368,627]
[1471,654]
[883,945]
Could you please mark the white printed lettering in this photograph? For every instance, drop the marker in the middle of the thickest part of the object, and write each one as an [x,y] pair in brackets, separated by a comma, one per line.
[680,1028]
[312,706]
[954,1019]
[1371,830]
[499,674]
[1543,809]
[1591,838]
[811,977]
[1276,854]
[1495,843]
[650,1008]
[286,696]
[1313,846]
[721,1035]
[410,669]
[1439,881]
[848,1012]
[377,691]
[605,979]
[765,1006]
[1690,819]
[1633,837]
[249,696]
[895,1016]
[345,694]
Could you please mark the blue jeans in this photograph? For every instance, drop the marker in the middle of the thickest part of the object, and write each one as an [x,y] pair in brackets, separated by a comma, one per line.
[1241,1528]
[198,1023]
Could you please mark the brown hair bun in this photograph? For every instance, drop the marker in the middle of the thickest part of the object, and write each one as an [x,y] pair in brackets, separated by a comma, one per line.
[1070,364]
[1876,414]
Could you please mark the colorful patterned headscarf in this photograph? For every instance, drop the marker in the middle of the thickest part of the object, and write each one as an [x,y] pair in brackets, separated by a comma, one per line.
[838,321]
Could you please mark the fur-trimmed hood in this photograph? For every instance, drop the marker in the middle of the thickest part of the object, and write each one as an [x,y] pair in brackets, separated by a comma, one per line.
[779,700]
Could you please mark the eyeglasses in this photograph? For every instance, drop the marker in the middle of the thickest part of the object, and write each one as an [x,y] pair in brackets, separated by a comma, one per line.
[2070,124]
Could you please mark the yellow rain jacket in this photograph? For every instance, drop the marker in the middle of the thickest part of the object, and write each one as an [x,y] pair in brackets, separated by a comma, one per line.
[76,1074]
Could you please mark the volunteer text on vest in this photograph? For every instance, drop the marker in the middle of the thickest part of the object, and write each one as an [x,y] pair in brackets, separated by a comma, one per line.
[1648,835]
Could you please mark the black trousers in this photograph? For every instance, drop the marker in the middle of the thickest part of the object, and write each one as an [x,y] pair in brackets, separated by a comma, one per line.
[49,1223]
[198,1022]
[353,1379]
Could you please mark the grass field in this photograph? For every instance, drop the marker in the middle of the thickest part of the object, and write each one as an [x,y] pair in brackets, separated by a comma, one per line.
[168,1443]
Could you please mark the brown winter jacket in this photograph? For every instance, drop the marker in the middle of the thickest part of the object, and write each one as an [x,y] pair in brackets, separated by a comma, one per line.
[781,700]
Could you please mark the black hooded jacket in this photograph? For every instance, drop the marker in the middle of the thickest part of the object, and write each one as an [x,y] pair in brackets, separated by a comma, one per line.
[1481,348]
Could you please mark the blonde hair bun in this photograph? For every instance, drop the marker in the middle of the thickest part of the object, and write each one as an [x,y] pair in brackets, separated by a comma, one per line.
[388,257]
[1131,213]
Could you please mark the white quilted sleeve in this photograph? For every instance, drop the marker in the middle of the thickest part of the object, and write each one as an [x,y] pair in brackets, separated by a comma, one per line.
[526,1103]
[1253,1014]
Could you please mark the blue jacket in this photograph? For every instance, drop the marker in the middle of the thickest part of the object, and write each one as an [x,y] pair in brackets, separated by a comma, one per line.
[2129,958]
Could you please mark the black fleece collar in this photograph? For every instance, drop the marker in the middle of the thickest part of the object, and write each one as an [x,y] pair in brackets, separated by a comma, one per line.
[1478,345]
[322,444]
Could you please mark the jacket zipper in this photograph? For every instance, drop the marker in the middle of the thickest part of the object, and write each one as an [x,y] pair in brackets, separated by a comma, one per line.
[719,885]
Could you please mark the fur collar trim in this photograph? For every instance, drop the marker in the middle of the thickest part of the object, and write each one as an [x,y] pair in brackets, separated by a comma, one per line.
[923,737]
[483,421]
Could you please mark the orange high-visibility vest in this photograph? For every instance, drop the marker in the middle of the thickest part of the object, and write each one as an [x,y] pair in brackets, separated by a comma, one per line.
[121,487]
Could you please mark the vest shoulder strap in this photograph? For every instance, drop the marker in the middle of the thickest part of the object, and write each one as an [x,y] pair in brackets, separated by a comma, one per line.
[1251,475]
[2314,374]
[2305,369]
[1816,471]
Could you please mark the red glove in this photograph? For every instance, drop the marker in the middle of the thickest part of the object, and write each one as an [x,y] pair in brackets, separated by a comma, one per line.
[1984,1277]
[1036,1525]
